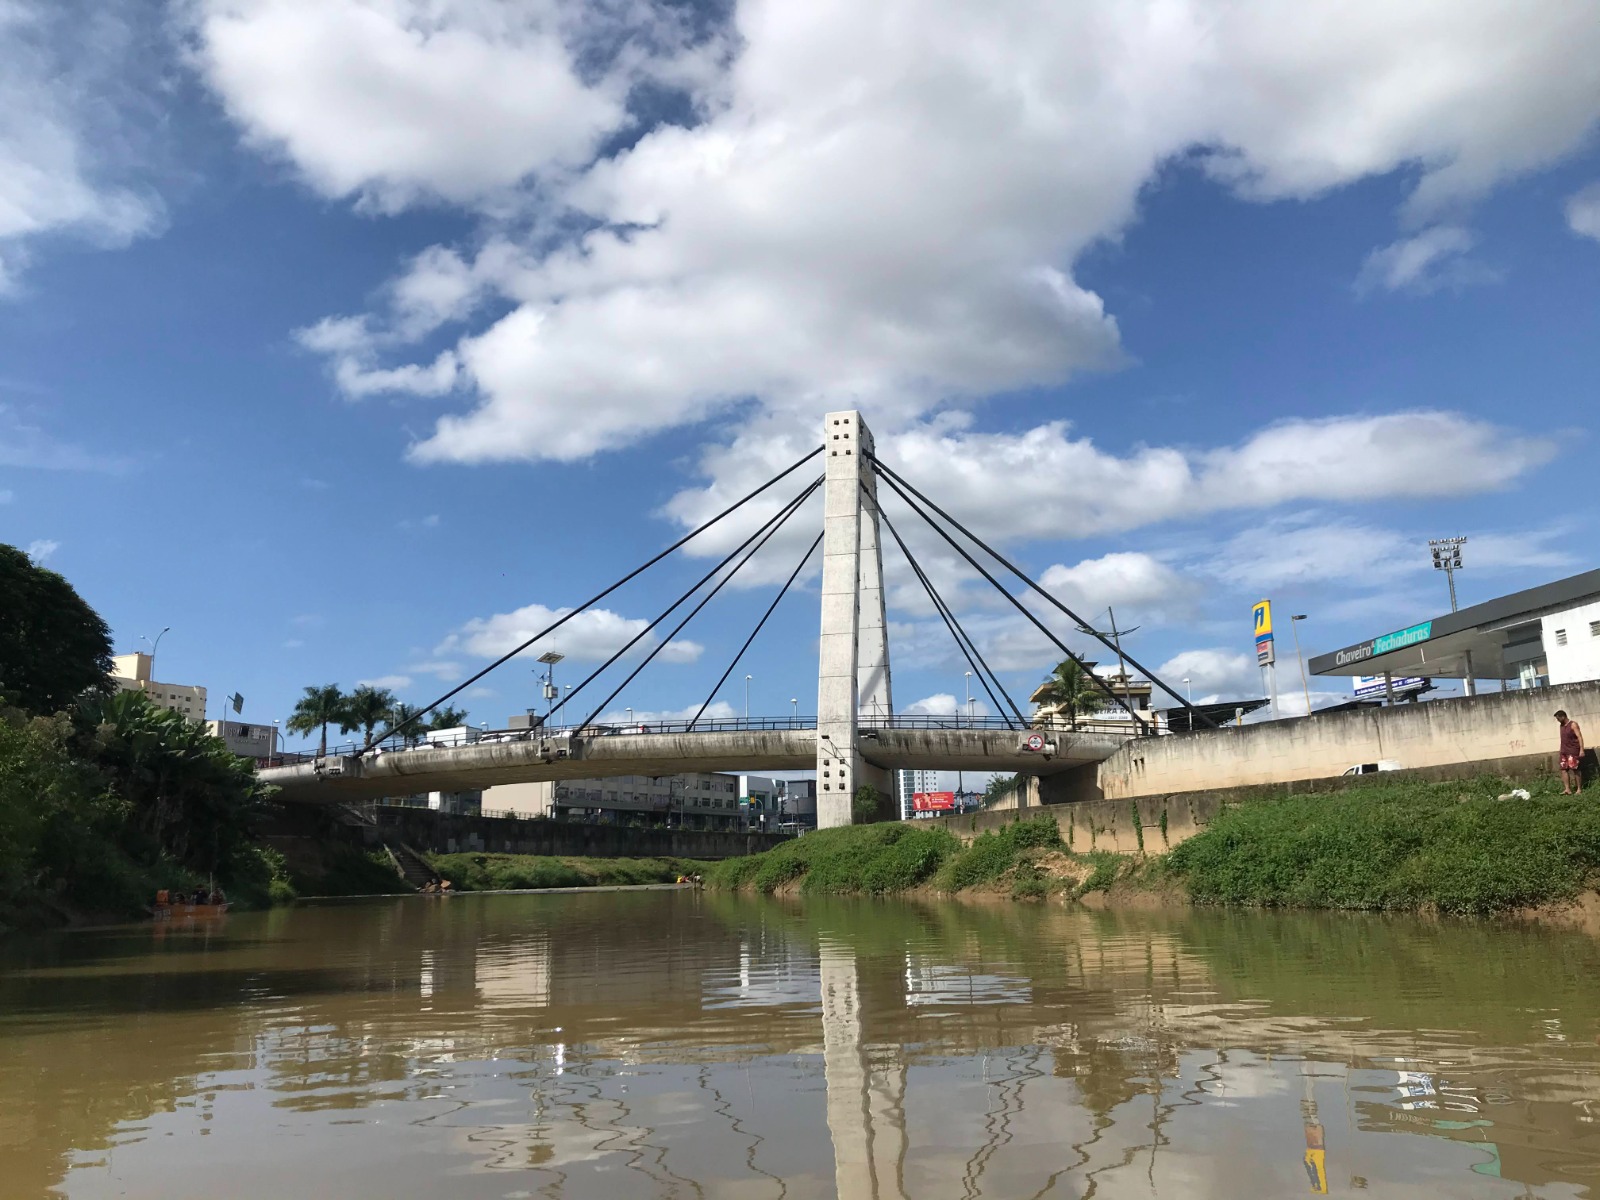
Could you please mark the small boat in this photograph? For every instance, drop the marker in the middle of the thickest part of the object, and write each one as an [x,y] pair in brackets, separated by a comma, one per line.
[168,908]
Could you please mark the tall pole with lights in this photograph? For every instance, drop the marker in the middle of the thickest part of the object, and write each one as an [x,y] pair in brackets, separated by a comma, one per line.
[1447,558]
[1294,628]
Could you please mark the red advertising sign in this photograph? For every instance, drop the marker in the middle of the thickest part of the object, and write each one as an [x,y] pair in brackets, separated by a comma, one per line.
[933,801]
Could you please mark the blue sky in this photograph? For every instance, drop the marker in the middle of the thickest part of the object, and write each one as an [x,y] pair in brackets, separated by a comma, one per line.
[346,337]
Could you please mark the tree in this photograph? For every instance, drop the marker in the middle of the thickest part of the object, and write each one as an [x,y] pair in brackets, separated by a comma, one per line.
[53,646]
[1071,691]
[316,710]
[868,805]
[448,717]
[366,708]
[998,786]
[400,715]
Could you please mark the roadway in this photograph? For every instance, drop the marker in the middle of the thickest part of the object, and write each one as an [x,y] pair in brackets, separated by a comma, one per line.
[533,758]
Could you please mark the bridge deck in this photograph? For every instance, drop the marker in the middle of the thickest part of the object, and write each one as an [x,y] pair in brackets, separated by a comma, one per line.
[484,765]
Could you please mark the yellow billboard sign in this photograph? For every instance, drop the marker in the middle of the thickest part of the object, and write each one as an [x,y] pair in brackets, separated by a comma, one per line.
[1261,617]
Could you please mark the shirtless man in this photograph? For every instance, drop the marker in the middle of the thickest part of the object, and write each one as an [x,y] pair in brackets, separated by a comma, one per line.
[1571,754]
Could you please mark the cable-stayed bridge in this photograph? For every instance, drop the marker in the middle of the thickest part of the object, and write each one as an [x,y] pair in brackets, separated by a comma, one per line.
[850,743]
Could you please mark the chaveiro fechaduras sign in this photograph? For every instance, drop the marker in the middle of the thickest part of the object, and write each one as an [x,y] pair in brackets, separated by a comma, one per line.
[1398,640]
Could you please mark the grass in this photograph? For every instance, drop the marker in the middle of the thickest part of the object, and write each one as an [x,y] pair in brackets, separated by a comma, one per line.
[498,872]
[992,854]
[873,859]
[1452,847]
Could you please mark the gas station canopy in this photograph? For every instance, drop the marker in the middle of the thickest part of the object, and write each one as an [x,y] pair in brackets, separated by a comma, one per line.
[1492,640]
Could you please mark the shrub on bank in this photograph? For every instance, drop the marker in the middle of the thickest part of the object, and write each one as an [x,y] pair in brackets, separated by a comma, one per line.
[994,853]
[506,872]
[887,857]
[1406,845]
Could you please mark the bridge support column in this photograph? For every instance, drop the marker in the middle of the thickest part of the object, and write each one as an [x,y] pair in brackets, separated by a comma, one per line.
[853,659]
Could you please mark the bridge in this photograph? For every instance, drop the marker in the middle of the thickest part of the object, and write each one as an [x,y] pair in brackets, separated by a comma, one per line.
[849,743]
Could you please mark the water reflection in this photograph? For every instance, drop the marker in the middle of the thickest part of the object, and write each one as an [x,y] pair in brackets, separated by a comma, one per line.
[673,1044]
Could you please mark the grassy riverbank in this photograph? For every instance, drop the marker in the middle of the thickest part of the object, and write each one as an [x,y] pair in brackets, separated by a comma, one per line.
[498,872]
[1396,846]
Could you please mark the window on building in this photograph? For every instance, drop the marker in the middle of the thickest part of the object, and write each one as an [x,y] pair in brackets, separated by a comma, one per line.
[1594,628]
[1561,637]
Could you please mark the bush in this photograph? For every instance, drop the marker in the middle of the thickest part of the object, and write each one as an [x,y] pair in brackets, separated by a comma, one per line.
[509,872]
[873,859]
[994,853]
[1452,846]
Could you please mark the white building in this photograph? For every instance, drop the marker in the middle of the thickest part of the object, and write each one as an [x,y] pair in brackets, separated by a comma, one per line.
[1572,643]
[131,673]
[247,741]
[907,784]
[695,800]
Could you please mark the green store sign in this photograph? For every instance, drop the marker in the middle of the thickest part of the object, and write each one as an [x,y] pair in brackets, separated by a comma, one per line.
[1402,638]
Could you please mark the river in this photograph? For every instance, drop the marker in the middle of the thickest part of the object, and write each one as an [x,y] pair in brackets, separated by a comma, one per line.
[683,1044]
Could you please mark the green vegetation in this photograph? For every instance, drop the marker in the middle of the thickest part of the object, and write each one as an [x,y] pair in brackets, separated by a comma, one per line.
[499,872]
[1449,846]
[993,854]
[886,857]
[365,709]
[104,798]
[868,805]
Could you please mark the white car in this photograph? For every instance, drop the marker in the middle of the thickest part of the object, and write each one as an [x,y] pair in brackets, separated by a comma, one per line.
[1383,764]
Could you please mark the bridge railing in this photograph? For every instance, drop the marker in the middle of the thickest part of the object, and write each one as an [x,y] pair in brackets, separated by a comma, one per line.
[601,729]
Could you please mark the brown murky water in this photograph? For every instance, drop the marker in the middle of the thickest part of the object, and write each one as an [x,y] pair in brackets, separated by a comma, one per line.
[690,1045]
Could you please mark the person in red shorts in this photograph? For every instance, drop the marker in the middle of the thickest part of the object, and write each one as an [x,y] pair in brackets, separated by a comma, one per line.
[1571,754]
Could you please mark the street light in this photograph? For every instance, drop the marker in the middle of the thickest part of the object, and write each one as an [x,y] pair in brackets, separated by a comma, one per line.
[794,709]
[1188,692]
[550,658]
[747,679]
[154,646]
[969,697]
[630,716]
[1294,628]
[1447,558]
[276,746]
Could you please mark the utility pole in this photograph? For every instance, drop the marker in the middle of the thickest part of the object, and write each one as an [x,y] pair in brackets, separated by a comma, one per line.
[1294,628]
[1447,558]
[1115,635]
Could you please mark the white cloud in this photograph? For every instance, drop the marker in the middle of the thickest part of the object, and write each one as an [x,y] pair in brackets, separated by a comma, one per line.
[41,550]
[65,96]
[879,204]
[23,443]
[945,704]
[393,683]
[1583,212]
[1433,259]
[591,636]
[1214,674]
[442,669]
[1143,586]
[413,524]
[400,100]
[1055,482]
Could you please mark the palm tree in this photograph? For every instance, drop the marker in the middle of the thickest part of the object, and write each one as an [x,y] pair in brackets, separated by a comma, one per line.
[366,708]
[1070,690]
[400,715]
[317,709]
[448,717]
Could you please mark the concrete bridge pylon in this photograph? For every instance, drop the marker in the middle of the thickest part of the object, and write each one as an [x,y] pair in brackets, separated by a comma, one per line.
[853,651]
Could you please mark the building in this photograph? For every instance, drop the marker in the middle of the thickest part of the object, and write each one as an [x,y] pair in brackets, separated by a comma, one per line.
[258,742]
[131,673]
[907,784]
[696,800]
[1543,635]
[1136,693]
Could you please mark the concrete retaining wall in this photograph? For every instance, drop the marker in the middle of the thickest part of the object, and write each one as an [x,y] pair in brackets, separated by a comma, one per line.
[443,833]
[1483,731]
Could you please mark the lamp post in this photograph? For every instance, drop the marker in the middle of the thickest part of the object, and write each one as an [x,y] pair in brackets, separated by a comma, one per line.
[794,709]
[550,658]
[1188,692]
[969,697]
[1447,558]
[1294,628]
[747,679]
[154,646]
[276,745]
[630,716]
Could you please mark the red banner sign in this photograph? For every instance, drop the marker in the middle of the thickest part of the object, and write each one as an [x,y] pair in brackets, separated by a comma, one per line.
[933,801]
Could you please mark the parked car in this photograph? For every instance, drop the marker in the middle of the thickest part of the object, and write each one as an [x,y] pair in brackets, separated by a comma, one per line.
[1383,764]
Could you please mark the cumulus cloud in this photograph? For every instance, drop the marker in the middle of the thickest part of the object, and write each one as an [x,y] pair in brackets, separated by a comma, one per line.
[1583,212]
[42,549]
[945,704]
[873,203]
[1214,674]
[1433,259]
[66,95]
[591,636]
[1138,583]
[717,710]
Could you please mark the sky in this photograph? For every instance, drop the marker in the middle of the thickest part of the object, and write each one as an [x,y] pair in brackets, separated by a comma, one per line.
[349,339]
